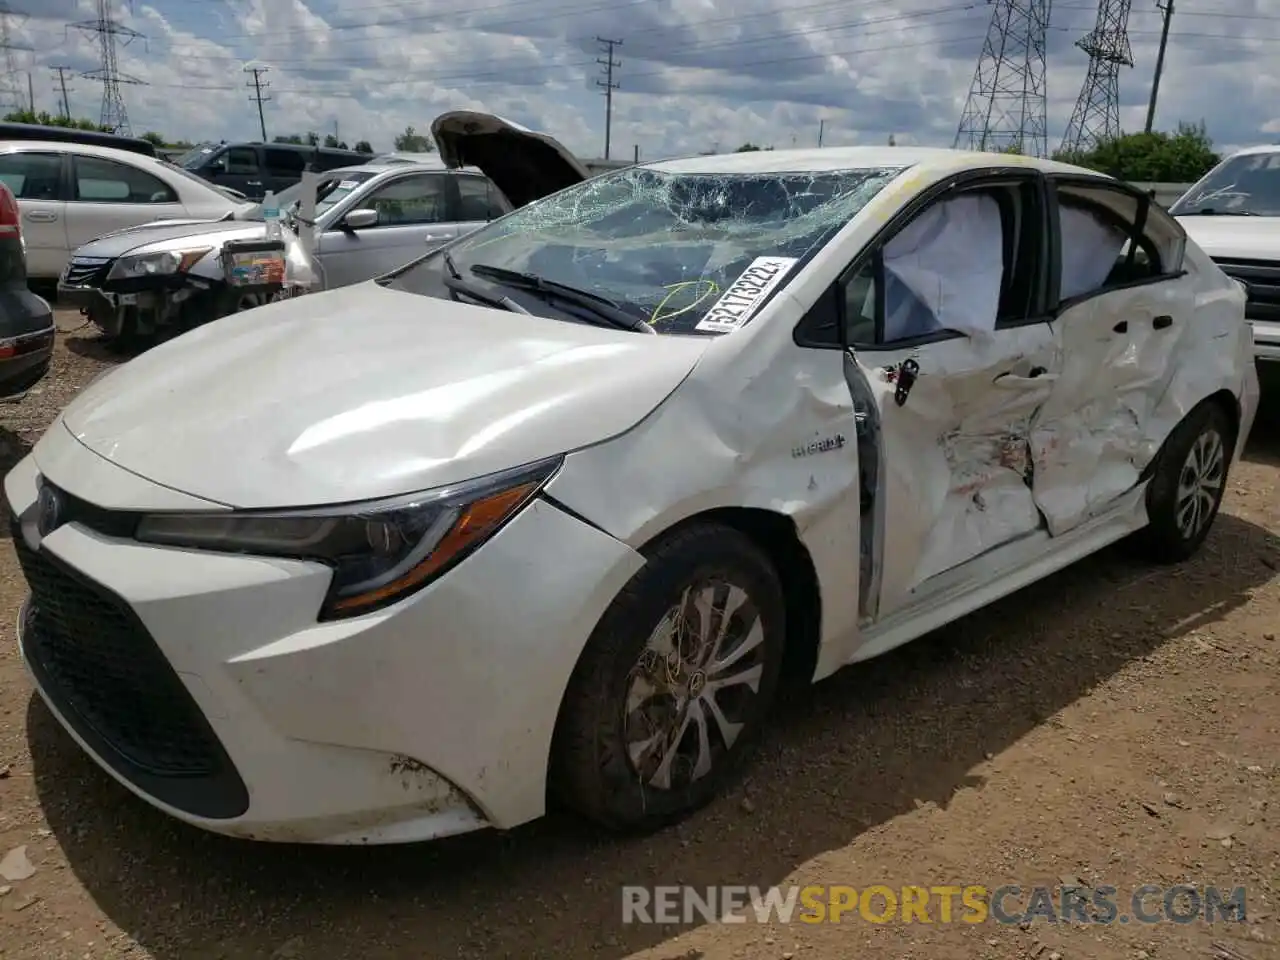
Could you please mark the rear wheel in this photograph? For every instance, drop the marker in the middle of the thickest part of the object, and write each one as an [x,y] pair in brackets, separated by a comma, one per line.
[1188,483]
[673,688]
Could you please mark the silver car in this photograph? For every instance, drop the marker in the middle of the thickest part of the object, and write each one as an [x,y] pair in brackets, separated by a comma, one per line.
[370,219]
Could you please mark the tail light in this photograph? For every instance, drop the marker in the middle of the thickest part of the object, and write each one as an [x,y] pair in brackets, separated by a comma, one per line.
[10,222]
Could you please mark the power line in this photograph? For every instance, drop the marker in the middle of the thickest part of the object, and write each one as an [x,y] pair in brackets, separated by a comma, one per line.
[257,85]
[1167,10]
[1006,107]
[114,116]
[609,85]
[10,76]
[1096,117]
[64,92]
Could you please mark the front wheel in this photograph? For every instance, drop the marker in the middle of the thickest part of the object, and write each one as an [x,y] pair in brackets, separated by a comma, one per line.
[1187,486]
[673,688]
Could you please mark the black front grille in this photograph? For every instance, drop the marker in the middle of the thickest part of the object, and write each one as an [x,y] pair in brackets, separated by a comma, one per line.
[97,662]
[1263,279]
[86,272]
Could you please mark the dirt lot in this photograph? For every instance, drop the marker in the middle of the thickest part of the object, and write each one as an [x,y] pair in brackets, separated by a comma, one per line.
[1113,725]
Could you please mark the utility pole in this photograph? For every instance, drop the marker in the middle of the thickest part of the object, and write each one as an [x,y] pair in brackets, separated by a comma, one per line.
[258,85]
[1096,117]
[822,127]
[31,92]
[1167,7]
[609,86]
[65,102]
[114,115]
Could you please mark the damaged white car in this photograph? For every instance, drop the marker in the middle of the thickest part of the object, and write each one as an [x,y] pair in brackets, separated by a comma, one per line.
[546,515]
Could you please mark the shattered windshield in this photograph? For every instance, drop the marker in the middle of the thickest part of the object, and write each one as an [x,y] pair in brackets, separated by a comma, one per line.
[686,252]
[195,156]
[1247,185]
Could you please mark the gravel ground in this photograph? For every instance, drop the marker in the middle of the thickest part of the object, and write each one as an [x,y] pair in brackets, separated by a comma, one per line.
[1113,725]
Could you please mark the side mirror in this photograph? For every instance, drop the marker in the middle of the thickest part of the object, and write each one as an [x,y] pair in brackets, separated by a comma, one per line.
[361,219]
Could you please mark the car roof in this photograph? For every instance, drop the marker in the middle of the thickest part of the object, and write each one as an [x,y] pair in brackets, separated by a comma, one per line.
[1260,148]
[925,159]
[378,166]
[88,149]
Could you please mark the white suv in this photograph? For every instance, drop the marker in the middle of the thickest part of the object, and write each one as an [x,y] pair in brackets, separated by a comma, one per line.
[1233,213]
[71,193]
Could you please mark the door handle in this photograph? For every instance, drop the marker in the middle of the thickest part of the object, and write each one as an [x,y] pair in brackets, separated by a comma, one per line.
[429,237]
[42,216]
[1162,321]
[1121,327]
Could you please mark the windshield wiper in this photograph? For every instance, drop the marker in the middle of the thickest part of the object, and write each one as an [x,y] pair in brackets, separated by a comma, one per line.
[456,284]
[1213,212]
[597,305]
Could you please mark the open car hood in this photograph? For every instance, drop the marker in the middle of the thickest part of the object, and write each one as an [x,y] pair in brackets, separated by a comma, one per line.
[524,164]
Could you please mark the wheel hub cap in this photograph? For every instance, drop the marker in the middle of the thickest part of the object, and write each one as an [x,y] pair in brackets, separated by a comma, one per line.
[1200,483]
[694,682]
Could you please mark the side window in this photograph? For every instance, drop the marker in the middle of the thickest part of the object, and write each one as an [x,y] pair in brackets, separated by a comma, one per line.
[108,181]
[409,200]
[240,161]
[480,200]
[1110,238]
[32,176]
[969,263]
[284,163]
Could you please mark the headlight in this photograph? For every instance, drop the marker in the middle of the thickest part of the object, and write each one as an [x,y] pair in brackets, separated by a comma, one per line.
[380,552]
[156,264]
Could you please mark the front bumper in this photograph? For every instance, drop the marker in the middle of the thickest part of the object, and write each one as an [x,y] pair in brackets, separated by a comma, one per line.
[205,685]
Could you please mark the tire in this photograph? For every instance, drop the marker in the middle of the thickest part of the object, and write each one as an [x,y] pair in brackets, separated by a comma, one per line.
[1186,488]
[592,770]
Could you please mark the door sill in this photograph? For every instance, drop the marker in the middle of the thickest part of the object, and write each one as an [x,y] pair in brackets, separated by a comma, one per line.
[998,573]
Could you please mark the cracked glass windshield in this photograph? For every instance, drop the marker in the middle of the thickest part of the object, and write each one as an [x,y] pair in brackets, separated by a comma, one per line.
[663,247]
[1244,186]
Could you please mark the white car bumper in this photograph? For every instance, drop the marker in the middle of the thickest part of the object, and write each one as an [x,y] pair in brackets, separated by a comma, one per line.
[204,683]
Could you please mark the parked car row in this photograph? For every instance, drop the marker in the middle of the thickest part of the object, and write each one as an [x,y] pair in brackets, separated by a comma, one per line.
[545,513]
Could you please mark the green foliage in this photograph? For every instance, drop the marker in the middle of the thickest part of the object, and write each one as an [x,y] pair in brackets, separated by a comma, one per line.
[289,138]
[1157,157]
[45,119]
[333,143]
[364,146]
[413,142]
[154,138]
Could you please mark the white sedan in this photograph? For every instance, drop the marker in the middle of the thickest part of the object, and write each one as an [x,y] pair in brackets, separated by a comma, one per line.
[71,193]
[544,515]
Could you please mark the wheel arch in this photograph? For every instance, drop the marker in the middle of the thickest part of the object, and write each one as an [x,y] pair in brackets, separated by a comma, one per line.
[1225,400]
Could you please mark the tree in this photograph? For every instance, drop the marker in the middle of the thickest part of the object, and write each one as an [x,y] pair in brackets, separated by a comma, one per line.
[364,146]
[332,142]
[45,119]
[413,142]
[288,138]
[154,138]
[312,138]
[1180,157]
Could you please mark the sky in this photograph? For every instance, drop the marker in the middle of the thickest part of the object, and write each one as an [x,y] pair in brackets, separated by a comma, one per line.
[694,75]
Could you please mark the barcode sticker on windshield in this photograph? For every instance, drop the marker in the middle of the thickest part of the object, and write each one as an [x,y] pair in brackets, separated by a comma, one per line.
[739,303]
[348,184]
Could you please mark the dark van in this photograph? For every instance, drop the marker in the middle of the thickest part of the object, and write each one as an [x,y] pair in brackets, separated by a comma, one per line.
[255,168]
[34,131]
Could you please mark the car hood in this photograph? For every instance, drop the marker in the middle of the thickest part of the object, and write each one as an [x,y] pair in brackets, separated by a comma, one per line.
[524,164]
[1246,238]
[367,392]
[168,234]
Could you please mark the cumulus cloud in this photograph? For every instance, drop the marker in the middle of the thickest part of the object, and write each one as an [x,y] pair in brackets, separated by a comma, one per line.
[695,75]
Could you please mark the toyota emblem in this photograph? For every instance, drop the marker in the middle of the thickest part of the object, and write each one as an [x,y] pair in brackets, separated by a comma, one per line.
[50,511]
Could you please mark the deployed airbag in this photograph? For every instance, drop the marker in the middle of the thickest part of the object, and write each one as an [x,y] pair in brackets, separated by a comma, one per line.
[1090,249]
[944,270]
